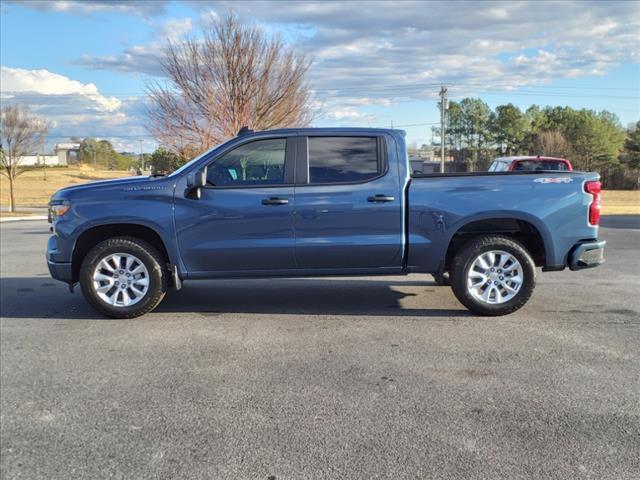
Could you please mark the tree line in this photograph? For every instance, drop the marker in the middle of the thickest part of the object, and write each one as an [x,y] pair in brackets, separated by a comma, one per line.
[101,154]
[476,134]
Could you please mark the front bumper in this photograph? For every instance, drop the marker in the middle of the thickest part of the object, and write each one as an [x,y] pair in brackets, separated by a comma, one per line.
[587,255]
[58,267]
[60,271]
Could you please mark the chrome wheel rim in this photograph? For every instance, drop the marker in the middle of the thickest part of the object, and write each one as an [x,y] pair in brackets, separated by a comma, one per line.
[495,277]
[121,280]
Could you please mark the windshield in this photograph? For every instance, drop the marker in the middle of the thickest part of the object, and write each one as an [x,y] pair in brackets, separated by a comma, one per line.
[187,165]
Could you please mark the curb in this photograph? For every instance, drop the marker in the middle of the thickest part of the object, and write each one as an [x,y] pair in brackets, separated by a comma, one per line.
[22,219]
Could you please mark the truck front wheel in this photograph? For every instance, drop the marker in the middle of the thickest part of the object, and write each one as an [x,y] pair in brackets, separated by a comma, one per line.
[493,275]
[123,277]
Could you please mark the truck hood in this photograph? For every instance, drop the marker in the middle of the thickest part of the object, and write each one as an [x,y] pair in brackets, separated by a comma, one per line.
[127,182]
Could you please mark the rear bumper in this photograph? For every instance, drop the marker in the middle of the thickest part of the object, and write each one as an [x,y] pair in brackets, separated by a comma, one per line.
[587,255]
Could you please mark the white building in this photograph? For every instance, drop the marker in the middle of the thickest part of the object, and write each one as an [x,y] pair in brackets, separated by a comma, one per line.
[39,160]
[60,158]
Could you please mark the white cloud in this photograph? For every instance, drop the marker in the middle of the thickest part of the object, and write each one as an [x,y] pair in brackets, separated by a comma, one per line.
[87,7]
[72,108]
[142,58]
[174,29]
[344,113]
[381,53]
[386,50]
[17,82]
[497,13]
[368,45]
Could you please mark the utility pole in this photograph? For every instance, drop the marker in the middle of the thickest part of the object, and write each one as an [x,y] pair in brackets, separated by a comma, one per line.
[44,161]
[140,165]
[444,105]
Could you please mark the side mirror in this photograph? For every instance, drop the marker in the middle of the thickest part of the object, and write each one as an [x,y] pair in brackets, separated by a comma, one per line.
[195,181]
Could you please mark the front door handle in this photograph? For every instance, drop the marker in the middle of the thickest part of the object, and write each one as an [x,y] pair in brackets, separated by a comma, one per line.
[381,198]
[275,201]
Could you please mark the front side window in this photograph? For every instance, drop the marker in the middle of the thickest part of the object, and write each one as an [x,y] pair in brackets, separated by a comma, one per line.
[256,163]
[343,159]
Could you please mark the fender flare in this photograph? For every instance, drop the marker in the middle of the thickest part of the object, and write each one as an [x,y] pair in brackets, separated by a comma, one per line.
[166,240]
[535,222]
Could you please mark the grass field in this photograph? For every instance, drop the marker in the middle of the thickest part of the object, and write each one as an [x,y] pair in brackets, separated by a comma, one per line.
[32,190]
[621,202]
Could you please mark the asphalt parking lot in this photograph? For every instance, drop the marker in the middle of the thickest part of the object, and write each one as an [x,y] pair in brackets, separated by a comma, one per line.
[322,378]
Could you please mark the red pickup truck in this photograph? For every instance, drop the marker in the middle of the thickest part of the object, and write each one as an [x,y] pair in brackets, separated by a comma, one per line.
[530,163]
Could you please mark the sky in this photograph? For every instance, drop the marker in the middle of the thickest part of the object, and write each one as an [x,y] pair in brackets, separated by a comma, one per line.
[84,65]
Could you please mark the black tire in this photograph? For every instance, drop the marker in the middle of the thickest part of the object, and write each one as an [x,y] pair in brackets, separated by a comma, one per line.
[463,261]
[153,261]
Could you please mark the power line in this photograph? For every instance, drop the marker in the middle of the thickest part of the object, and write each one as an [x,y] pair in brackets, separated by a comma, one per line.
[98,136]
[555,94]
[403,88]
[513,103]
[416,124]
[505,85]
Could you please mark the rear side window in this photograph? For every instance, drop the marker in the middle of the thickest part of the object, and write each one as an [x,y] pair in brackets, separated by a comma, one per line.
[343,159]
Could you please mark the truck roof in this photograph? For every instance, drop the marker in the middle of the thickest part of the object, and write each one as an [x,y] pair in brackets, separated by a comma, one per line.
[327,130]
[527,157]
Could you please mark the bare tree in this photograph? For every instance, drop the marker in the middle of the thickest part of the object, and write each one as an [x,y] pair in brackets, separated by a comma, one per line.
[552,143]
[20,134]
[234,76]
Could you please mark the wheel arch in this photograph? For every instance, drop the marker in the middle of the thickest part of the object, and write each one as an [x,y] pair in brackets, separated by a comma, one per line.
[92,236]
[528,230]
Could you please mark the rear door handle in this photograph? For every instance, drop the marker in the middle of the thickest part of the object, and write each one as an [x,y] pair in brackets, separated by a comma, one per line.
[275,201]
[380,198]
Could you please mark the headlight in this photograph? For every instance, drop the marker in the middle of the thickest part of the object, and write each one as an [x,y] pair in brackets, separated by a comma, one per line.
[58,210]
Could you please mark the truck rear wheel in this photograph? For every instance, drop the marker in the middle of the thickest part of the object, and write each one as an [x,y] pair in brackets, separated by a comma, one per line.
[123,277]
[493,275]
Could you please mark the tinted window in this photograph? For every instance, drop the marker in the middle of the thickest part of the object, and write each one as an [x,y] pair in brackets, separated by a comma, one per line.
[256,163]
[342,159]
[540,165]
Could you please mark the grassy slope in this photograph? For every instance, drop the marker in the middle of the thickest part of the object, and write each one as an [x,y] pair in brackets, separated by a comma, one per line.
[32,190]
[621,202]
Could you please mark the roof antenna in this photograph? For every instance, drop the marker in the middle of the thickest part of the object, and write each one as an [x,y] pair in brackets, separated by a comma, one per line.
[244,131]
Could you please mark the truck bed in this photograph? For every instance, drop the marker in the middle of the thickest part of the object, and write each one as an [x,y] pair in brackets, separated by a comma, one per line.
[554,204]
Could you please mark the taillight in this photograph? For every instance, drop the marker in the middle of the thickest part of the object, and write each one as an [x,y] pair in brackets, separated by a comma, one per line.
[594,207]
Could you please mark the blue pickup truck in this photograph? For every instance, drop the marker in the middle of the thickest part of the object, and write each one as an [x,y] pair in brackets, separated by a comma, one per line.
[328,201]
